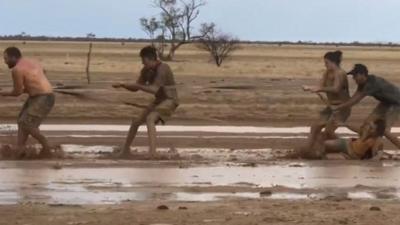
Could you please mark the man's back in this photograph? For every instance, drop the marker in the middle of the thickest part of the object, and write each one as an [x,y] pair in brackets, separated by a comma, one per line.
[35,81]
[381,90]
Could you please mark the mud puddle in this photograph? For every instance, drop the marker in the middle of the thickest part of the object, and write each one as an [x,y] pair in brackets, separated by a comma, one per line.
[29,182]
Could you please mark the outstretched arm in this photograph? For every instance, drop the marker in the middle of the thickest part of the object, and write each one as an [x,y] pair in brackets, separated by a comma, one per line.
[18,85]
[356,98]
[316,88]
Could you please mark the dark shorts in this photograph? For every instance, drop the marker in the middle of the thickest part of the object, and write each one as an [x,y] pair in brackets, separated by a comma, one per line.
[35,110]
[389,113]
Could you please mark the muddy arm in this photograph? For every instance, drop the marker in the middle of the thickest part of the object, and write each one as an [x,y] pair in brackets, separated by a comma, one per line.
[18,86]
[356,98]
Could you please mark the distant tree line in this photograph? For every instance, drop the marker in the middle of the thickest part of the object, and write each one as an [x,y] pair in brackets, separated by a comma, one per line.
[139,40]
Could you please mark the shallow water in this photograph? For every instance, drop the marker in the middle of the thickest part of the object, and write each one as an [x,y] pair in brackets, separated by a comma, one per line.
[22,182]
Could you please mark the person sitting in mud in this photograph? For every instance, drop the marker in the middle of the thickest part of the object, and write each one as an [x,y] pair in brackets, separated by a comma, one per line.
[29,77]
[367,146]
[334,83]
[156,78]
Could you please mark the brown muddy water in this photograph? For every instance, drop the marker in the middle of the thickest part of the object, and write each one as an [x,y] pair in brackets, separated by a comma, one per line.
[41,182]
[83,180]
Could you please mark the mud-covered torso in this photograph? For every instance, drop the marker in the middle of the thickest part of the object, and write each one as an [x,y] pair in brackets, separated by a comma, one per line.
[343,95]
[34,80]
[161,76]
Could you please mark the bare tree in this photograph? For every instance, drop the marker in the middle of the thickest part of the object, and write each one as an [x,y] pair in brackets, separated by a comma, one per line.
[218,44]
[175,25]
[90,35]
[150,26]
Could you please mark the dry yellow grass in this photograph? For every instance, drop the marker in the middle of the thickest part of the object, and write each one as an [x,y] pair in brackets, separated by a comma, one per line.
[274,74]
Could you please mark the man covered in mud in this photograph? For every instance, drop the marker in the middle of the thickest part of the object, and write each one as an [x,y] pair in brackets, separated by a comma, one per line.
[156,78]
[334,83]
[388,95]
[29,77]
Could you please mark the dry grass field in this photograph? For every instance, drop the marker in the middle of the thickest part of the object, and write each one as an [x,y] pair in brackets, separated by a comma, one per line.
[260,83]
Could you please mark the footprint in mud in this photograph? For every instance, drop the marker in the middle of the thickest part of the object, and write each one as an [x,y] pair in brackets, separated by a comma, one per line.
[136,155]
[8,152]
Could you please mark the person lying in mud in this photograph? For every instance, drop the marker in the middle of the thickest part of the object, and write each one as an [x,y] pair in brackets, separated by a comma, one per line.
[334,83]
[29,77]
[156,78]
[368,145]
[385,92]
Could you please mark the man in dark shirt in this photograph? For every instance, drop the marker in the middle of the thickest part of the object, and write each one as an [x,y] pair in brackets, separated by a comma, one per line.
[385,92]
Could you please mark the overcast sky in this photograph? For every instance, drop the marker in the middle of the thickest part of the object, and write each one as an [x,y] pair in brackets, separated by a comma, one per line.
[269,20]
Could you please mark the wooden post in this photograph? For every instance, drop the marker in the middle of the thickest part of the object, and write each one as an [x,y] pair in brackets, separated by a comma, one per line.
[89,55]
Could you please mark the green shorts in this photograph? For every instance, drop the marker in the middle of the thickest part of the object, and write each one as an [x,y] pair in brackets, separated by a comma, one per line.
[35,110]
[344,146]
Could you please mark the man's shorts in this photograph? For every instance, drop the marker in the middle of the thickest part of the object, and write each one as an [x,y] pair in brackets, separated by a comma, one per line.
[35,110]
[341,116]
[165,109]
[389,113]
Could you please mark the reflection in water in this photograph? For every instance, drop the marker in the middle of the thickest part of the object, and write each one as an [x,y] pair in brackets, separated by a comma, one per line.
[111,185]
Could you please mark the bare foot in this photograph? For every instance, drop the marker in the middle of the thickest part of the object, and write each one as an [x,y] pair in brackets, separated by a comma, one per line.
[122,154]
[6,151]
[153,156]
[45,154]
[30,153]
[20,152]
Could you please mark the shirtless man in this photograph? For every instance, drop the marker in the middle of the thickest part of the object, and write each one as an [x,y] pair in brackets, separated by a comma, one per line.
[334,83]
[156,78]
[388,95]
[28,77]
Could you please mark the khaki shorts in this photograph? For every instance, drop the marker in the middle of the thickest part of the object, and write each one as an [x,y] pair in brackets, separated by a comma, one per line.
[165,109]
[327,115]
[35,110]
[389,113]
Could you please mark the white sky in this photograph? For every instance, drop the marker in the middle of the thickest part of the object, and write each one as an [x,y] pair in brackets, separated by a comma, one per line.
[269,20]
